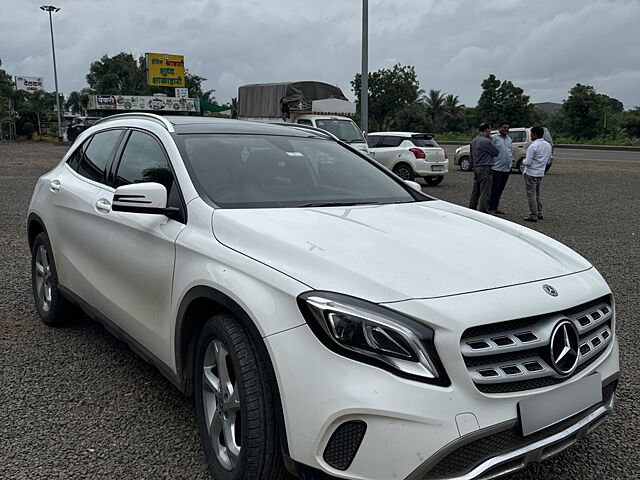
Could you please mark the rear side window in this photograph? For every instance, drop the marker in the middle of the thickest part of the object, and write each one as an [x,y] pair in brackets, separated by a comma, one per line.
[518,136]
[94,156]
[373,140]
[144,160]
[390,142]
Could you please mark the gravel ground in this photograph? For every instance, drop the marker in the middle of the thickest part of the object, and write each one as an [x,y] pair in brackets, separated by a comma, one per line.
[76,403]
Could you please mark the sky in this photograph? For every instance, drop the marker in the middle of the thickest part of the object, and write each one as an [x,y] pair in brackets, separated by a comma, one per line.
[543,46]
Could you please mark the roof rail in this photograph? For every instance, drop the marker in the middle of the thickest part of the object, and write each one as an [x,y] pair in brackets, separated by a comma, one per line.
[317,130]
[146,116]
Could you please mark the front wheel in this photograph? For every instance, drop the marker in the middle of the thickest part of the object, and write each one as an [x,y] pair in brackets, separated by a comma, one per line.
[235,404]
[520,166]
[465,164]
[434,180]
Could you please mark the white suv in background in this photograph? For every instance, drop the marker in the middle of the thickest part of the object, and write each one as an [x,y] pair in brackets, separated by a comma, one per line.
[281,278]
[410,155]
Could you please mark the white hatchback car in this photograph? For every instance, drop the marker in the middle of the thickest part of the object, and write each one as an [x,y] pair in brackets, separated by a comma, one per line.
[410,155]
[280,277]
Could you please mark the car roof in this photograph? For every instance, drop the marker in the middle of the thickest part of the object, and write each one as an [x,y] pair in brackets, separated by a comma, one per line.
[191,124]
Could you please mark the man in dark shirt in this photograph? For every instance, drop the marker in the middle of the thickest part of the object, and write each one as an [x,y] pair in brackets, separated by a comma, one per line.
[483,157]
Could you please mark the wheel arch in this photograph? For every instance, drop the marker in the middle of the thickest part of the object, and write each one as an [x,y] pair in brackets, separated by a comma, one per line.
[35,226]
[196,307]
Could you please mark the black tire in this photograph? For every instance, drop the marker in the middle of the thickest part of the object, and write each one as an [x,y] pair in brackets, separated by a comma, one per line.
[465,164]
[433,181]
[247,407]
[54,310]
[520,166]
[404,171]
[547,168]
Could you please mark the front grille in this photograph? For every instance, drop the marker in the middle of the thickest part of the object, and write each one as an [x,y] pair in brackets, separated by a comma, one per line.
[515,355]
[344,443]
[469,456]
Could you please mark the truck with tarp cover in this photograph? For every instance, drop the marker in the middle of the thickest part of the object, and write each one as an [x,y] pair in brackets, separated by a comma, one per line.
[317,104]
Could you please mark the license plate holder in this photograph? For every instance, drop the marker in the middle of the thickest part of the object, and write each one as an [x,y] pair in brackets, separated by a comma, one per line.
[437,168]
[548,408]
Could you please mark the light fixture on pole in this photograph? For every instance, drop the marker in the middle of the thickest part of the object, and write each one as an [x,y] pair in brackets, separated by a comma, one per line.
[364,78]
[52,9]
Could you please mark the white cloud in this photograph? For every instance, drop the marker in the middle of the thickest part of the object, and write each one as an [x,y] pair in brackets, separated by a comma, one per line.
[546,47]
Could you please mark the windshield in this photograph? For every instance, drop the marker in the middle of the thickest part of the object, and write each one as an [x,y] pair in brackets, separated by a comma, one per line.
[259,171]
[345,130]
[547,136]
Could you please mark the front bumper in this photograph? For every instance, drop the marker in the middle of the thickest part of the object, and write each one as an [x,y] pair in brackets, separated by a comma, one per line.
[412,427]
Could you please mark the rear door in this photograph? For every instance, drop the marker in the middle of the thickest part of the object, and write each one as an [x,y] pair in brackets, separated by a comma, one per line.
[388,150]
[134,272]
[72,213]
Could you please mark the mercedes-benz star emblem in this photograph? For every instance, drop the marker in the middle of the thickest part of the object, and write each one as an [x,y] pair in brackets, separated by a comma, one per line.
[550,290]
[564,348]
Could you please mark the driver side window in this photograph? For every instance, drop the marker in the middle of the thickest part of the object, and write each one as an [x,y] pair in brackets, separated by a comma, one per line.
[144,160]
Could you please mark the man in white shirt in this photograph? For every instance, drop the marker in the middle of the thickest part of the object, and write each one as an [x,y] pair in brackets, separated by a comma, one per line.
[535,162]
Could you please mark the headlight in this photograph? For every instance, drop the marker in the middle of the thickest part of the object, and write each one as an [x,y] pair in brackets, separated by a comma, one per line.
[373,334]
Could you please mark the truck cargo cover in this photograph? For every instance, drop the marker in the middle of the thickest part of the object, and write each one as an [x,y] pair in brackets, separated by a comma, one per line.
[268,99]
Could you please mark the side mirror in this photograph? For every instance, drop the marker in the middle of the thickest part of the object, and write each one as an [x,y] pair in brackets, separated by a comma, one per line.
[415,185]
[148,197]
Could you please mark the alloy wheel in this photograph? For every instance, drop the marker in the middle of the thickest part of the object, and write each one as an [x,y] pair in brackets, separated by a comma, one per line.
[221,400]
[403,172]
[43,278]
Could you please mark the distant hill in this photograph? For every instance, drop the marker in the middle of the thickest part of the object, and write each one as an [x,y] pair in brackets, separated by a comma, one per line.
[548,107]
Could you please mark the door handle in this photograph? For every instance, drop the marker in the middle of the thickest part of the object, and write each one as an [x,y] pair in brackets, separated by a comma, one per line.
[54,186]
[103,205]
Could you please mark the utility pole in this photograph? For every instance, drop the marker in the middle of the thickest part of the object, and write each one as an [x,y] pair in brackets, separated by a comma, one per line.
[364,84]
[50,9]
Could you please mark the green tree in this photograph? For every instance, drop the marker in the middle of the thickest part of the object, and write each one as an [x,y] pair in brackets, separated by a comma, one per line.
[389,91]
[454,114]
[234,107]
[38,104]
[583,113]
[434,103]
[8,95]
[631,122]
[503,101]
[117,75]
[412,118]
[78,101]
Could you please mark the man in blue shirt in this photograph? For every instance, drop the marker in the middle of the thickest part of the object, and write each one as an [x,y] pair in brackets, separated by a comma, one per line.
[502,168]
[483,153]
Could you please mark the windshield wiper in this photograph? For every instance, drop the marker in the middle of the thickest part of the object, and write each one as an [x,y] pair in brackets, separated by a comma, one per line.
[337,204]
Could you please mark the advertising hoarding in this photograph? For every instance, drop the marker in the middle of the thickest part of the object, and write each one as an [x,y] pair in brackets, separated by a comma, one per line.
[138,102]
[164,70]
[30,84]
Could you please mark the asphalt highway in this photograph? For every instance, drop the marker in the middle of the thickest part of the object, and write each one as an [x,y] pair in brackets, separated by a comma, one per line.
[75,403]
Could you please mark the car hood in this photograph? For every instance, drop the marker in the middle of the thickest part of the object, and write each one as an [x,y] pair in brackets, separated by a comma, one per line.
[387,253]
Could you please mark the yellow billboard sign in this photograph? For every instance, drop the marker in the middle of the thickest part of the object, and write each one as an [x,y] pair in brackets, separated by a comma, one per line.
[165,70]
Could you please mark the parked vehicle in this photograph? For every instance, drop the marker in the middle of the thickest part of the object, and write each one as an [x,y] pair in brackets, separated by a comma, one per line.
[315,104]
[410,155]
[79,125]
[521,139]
[322,311]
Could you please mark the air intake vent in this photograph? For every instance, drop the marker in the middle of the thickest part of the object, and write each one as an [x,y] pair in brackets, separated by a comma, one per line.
[344,443]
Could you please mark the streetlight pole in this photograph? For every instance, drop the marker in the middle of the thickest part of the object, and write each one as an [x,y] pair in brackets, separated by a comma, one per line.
[50,9]
[364,84]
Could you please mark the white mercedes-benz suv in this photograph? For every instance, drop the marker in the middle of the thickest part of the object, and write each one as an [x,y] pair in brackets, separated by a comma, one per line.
[280,277]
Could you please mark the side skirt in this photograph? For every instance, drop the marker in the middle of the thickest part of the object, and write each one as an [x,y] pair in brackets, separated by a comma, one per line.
[124,337]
